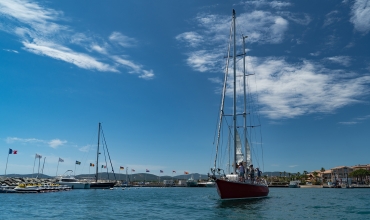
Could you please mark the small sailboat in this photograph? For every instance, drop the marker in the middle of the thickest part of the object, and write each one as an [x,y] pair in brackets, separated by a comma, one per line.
[232,185]
[102,185]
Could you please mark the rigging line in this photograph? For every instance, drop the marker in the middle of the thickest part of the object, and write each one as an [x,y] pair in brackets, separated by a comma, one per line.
[106,146]
[258,115]
[223,95]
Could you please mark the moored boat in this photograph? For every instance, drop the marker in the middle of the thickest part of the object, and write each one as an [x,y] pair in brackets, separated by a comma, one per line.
[211,183]
[100,184]
[191,182]
[72,182]
[294,184]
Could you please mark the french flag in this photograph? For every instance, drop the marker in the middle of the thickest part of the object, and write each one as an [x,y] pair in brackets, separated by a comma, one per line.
[12,151]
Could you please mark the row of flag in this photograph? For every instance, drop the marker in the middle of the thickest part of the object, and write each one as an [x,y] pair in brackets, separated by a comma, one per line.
[37,156]
[11,151]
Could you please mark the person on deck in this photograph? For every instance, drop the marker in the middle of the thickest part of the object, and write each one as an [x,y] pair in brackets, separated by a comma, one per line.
[241,172]
[251,172]
[258,173]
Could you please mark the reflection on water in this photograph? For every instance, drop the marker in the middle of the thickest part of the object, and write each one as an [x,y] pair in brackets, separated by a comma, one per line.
[246,204]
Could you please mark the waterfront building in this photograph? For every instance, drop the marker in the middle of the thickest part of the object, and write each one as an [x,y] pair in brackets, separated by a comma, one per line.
[168,182]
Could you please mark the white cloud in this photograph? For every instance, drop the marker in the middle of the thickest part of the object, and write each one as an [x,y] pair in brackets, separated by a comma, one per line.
[56,143]
[360,15]
[331,18]
[85,148]
[52,143]
[40,31]
[288,90]
[357,120]
[299,18]
[99,49]
[343,60]
[263,27]
[62,53]
[122,40]
[10,140]
[147,74]
[284,89]
[204,60]
[192,38]
[260,26]
[13,51]
[317,53]
[272,4]
[134,68]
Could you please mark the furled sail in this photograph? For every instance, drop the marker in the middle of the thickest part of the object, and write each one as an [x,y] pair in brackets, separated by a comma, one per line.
[238,150]
[248,153]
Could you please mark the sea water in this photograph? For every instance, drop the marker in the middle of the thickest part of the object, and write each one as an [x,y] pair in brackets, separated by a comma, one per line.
[187,203]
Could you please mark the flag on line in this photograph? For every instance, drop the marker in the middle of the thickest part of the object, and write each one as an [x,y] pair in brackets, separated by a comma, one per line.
[132,170]
[161,171]
[121,168]
[60,159]
[147,170]
[38,156]
[173,171]
[12,151]
[78,162]
[92,165]
[103,166]
[186,172]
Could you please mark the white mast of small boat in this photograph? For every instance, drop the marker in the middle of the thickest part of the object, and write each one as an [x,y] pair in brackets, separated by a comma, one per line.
[126,177]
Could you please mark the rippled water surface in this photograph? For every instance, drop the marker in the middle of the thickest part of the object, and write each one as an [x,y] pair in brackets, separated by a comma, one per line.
[187,203]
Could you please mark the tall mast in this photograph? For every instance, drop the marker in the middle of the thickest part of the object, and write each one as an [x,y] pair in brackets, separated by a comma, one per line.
[247,155]
[234,113]
[97,156]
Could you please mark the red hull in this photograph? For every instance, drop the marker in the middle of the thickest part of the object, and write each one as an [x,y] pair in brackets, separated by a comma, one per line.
[238,190]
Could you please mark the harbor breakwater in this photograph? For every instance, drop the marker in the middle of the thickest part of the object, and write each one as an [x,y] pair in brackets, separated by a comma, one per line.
[15,181]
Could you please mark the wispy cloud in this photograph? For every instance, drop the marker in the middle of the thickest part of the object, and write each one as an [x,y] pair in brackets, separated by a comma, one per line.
[51,143]
[272,4]
[262,28]
[13,51]
[354,121]
[86,148]
[122,40]
[192,38]
[360,15]
[285,89]
[41,32]
[134,68]
[343,60]
[63,53]
[56,143]
[293,166]
[331,17]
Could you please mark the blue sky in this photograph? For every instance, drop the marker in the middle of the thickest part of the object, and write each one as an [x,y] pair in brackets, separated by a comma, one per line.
[150,71]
